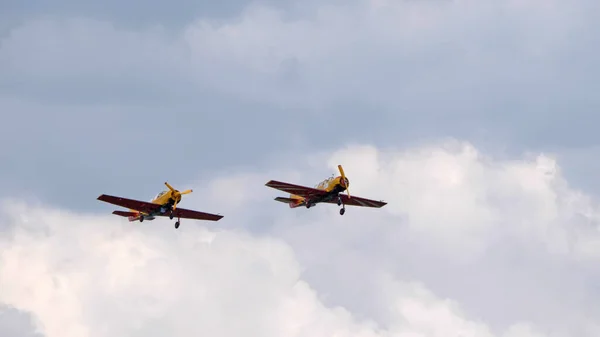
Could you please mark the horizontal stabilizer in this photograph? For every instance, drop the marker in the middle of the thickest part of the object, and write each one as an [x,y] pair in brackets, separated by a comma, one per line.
[125,214]
[292,202]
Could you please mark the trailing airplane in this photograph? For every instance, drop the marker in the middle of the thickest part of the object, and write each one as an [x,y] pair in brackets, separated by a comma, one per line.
[163,204]
[327,191]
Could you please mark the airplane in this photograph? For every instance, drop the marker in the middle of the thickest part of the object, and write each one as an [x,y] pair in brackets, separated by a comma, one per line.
[163,204]
[327,191]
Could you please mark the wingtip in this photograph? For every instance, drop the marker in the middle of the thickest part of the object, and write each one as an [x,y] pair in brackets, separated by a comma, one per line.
[272,182]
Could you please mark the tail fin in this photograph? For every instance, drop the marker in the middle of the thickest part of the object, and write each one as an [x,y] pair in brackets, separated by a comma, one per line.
[290,201]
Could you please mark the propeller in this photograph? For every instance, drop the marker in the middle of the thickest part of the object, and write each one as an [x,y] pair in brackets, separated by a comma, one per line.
[176,195]
[344,181]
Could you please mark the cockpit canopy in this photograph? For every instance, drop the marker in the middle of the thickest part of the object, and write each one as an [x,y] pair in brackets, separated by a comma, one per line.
[160,195]
[325,182]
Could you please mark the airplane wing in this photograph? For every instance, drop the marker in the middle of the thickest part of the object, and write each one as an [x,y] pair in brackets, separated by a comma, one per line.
[305,192]
[358,201]
[189,214]
[148,207]
[140,206]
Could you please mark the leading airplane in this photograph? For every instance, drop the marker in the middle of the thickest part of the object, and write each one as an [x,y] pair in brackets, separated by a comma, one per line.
[163,204]
[327,191]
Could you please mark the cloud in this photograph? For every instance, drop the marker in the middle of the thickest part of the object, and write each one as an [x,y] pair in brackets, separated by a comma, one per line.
[468,245]
[456,182]
[89,276]
[488,231]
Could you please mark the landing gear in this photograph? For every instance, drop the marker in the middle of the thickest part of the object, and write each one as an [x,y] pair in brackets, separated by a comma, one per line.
[141,218]
[171,216]
[339,202]
[176,224]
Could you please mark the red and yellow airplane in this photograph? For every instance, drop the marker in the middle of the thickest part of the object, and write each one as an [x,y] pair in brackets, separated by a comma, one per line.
[327,191]
[163,204]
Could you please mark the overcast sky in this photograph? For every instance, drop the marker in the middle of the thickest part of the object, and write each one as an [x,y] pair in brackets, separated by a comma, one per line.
[475,120]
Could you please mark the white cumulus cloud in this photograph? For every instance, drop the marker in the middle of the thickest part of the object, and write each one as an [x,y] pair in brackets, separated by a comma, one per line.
[468,246]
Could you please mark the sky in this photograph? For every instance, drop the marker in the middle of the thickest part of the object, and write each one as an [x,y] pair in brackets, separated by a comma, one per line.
[475,121]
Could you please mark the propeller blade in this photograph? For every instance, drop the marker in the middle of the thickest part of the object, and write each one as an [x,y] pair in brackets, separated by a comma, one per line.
[341,171]
[345,180]
[176,194]
[170,187]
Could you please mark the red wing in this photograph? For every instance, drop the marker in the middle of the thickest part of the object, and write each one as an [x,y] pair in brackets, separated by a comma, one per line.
[305,192]
[189,214]
[358,201]
[140,206]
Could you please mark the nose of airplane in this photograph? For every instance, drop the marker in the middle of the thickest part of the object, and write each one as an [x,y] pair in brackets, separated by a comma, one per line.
[345,182]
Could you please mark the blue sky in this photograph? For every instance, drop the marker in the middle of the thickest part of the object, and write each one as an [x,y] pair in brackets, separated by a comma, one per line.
[96,93]
[451,111]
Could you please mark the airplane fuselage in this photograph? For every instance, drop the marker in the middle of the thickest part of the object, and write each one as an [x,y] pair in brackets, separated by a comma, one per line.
[334,186]
[164,198]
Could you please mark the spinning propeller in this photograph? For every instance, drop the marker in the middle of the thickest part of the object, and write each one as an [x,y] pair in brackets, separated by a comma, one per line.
[176,195]
[344,181]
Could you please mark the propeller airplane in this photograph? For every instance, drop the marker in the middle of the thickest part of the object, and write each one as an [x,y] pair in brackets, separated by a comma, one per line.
[327,191]
[163,204]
